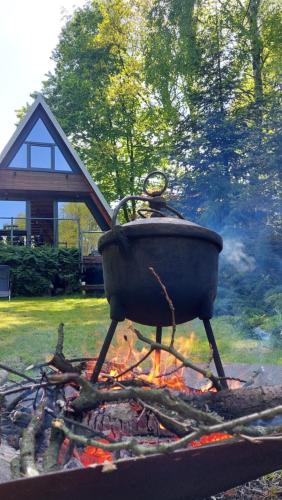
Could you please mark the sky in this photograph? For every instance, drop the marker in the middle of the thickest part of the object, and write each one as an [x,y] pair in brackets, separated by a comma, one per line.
[29,31]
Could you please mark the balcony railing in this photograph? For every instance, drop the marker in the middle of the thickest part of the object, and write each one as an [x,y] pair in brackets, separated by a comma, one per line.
[38,231]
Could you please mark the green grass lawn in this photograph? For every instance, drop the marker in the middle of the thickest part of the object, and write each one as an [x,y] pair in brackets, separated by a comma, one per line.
[28,332]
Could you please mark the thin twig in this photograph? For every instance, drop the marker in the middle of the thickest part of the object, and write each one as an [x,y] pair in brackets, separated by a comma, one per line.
[260,439]
[170,423]
[185,361]
[236,379]
[31,387]
[131,368]
[170,304]
[167,374]
[100,434]
[210,358]
[60,342]
[68,360]
[16,372]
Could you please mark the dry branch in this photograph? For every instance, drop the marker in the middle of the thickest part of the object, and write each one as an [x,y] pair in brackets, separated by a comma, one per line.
[58,360]
[50,458]
[90,398]
[170,304]
[171,424]
[60,341]
[17,372]
[232,427]
[132,367]
[30,387]
[27,446]
[185,361]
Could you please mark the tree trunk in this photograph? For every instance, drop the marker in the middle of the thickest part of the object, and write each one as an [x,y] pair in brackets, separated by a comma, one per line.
[256,54]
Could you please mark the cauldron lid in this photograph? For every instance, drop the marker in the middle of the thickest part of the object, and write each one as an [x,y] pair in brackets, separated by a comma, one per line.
[159,227]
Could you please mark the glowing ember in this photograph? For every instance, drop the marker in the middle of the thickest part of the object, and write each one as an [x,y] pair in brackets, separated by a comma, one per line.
[91,455]
[211,438]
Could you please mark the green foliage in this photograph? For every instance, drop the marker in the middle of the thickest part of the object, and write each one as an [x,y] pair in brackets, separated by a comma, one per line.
[41,271]
[98,93]
[228,131]
[275,301]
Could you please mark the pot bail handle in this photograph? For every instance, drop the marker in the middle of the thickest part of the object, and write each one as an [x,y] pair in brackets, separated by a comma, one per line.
[122,203]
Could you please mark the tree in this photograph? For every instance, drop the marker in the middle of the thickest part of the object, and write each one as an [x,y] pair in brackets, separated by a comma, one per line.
[98,92]
[215,66]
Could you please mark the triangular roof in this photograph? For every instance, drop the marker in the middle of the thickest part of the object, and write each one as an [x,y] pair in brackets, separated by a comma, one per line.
[24,128]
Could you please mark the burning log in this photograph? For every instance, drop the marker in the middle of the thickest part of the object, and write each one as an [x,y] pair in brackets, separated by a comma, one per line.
[237,402]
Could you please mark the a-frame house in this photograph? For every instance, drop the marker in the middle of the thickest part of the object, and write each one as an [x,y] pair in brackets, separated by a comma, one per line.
[39,169]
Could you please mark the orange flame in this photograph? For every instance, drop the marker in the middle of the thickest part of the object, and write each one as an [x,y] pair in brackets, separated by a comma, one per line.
[161,369]
[210,438]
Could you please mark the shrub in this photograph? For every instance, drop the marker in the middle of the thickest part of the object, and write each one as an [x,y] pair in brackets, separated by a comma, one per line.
[41,270]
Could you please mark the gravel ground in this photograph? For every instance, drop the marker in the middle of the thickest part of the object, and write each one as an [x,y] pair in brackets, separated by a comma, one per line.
[268,487]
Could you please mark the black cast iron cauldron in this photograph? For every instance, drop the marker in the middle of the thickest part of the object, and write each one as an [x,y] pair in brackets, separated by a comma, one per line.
[183,254]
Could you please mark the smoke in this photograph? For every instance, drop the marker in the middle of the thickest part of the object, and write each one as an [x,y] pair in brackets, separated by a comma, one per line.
[235,254]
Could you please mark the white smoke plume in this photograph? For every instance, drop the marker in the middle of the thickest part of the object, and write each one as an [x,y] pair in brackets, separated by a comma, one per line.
[234,252]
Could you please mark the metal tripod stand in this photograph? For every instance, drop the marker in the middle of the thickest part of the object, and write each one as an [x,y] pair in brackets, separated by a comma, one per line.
[209,333]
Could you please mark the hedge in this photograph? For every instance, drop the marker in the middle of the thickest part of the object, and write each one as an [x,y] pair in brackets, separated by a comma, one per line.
[42,270]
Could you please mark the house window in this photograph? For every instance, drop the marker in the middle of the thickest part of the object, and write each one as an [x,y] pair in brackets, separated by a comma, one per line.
[15,210]
[40,133]
[60,161]
[20,160]
[13,222]
[40,152]
[75,216]
[40,156]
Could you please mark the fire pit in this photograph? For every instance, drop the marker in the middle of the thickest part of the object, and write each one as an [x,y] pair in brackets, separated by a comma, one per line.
[184,475]
[119,425]
[183,254]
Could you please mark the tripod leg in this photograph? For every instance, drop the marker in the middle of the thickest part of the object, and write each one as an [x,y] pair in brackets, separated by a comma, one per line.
[216,356]
[159,334]
[103,352]
[157,353]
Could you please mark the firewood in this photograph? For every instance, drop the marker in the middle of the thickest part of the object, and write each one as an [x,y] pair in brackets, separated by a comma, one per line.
[27,446]
[237,402]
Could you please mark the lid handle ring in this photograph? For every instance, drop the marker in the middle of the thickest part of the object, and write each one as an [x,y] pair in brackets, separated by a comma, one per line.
[155,192]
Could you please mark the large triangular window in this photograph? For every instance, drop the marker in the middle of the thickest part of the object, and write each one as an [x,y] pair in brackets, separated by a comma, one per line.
[39,151]
[40,133]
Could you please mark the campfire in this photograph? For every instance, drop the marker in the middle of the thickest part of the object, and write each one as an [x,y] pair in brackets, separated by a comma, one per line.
[140,409]
[141,405]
